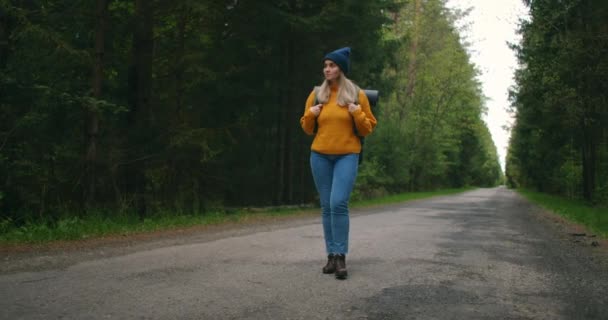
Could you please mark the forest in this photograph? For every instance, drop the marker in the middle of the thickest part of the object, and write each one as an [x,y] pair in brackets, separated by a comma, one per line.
[559,142]
[143,107]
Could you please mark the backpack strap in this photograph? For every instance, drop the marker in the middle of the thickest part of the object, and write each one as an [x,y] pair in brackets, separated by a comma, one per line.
[354,125]
[361,138]
[316,102]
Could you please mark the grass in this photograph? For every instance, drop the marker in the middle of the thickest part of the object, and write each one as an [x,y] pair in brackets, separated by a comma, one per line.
[104,224]
[98,225]
[594,218]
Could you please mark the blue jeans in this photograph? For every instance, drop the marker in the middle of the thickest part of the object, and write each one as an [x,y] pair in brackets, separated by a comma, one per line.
[334,176]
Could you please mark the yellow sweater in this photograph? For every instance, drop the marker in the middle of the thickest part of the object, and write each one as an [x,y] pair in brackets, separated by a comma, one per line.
[335,132]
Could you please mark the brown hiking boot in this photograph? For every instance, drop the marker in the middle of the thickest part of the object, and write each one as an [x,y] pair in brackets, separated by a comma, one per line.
[330,267]
[341,272]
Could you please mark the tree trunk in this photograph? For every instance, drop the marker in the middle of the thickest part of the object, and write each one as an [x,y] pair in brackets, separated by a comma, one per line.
[4,36]
[140,101]
[591,118]
[411,83]
[179,69]
[282,125]
[142,60]
[291,121]
[589,155]
[411,70]
[92,123]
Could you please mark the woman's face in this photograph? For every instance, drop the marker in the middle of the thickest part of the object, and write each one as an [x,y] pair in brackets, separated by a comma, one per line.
[331,70]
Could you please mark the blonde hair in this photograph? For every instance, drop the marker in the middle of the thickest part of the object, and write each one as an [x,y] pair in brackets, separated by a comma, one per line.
[348,91]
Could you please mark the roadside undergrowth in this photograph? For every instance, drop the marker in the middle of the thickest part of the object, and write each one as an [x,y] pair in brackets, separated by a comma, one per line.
[594,218]
[108,224]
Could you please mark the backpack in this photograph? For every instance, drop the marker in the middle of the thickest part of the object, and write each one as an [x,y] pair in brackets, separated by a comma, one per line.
[372,96]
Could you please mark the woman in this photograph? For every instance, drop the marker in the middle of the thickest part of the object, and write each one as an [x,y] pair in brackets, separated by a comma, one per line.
[336,109]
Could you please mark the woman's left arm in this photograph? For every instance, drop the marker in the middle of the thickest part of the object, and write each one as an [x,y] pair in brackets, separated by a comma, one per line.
[365,122]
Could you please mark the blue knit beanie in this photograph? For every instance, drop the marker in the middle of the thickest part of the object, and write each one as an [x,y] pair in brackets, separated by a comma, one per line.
[341,57]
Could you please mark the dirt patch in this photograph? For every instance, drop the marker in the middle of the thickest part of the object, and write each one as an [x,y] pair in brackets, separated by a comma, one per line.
[573,232]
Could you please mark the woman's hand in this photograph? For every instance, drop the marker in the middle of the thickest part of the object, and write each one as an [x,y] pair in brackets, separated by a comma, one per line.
[353,107]
[316,109]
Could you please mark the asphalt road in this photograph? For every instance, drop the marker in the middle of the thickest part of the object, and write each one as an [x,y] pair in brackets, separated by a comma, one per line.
[484,254]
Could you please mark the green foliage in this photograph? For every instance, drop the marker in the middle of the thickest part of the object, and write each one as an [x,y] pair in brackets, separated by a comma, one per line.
[370,182]
[560,102]
[186,106]
[430,132]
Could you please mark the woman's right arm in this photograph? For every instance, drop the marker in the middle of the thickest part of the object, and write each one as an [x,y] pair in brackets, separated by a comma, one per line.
[308,120]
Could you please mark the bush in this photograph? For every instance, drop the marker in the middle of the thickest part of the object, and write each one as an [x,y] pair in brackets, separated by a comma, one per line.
[370,182]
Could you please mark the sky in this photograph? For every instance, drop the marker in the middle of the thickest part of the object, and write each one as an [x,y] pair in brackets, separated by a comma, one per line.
[489,27]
